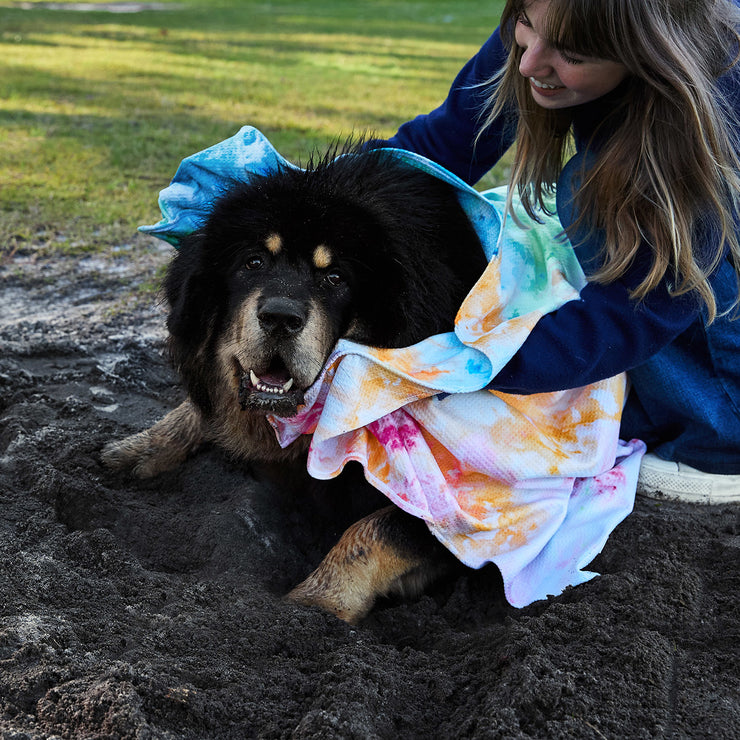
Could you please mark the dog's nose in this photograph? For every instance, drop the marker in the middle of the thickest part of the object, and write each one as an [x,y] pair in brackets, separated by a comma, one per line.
[281,316]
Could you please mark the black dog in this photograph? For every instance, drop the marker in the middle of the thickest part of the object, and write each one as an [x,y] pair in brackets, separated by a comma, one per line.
[361,246]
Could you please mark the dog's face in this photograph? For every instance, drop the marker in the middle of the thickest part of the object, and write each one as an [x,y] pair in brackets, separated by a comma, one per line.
[356,247]
[290,292]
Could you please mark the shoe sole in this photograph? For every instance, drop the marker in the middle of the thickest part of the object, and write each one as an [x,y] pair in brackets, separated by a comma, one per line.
[661,487]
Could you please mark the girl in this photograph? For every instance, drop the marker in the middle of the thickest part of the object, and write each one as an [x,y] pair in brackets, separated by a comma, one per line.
[627,110]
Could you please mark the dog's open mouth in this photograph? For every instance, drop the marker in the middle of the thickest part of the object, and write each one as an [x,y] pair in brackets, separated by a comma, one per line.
[270,384]
[270,391]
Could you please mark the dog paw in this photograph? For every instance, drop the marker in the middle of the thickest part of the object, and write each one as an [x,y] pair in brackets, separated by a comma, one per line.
[159,448]
[328,590]
[387,552]
[363,565]
[140,456]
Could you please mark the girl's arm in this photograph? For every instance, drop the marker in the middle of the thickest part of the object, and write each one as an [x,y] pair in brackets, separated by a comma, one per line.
[605,332]
[602,334]
[446,135]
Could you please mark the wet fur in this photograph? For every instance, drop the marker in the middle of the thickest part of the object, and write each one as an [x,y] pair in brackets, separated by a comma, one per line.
[359,246]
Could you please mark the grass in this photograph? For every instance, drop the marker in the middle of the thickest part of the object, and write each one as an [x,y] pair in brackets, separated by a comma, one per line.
[98,108]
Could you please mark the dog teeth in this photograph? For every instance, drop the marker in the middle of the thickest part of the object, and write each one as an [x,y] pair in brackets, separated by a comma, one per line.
[265,388]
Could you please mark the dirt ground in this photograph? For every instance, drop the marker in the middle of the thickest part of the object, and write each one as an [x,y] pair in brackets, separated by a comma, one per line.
[153,609]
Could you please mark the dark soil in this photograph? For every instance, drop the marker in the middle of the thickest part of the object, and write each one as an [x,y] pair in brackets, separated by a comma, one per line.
[153,609]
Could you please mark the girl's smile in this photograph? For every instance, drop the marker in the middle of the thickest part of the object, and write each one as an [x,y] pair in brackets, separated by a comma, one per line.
[545,89]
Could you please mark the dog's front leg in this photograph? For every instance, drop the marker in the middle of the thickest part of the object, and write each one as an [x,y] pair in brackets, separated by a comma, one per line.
[161,447]
[387,552]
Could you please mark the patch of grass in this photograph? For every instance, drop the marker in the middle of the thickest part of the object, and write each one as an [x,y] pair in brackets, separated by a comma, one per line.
[97,109]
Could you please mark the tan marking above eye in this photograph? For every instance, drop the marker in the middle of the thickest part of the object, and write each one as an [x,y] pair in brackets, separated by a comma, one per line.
[322,256]
[274,243]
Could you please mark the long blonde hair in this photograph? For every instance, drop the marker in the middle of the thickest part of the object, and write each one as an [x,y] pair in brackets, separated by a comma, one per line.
[671,154]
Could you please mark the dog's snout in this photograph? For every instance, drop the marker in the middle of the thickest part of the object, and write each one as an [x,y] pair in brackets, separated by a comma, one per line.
[282,316]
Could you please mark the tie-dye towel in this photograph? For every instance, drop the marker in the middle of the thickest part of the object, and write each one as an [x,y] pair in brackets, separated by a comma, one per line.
[534,484]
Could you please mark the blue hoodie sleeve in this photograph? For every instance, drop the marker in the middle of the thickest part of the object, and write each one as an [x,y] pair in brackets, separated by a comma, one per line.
[602,334]
[447,134]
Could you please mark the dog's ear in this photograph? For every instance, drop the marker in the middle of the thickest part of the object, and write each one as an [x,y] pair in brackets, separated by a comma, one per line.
[185,294]
[194,316]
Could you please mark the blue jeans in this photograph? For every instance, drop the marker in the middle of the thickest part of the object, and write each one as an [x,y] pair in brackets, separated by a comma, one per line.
[685,401]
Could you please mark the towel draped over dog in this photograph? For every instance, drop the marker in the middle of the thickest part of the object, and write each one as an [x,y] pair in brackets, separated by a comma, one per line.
[532,483]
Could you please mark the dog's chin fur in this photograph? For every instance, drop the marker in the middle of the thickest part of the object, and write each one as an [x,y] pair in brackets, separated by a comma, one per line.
[262,403]
[360,246]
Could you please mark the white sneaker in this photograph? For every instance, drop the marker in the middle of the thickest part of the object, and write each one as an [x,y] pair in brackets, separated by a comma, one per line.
[671,481]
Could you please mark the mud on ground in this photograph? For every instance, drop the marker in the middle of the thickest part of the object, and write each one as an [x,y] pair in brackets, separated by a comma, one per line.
[152,609]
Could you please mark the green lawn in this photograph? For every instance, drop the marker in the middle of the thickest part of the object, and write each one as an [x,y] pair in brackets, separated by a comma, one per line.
[98,108]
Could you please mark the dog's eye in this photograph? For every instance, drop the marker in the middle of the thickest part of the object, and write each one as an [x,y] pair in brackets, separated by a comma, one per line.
[334,279]
[254,262]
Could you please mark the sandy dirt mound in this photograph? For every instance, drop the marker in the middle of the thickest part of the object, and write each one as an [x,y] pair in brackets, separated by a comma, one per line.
[152,609]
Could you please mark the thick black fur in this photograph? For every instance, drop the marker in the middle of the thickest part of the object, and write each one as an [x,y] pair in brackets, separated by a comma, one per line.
[404,257]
